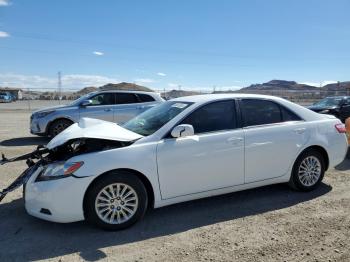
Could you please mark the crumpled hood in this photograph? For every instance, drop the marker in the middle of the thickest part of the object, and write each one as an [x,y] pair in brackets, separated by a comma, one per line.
[93,128]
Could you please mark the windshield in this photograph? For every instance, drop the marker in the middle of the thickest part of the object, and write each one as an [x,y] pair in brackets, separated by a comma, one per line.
[151,120]
[329,101]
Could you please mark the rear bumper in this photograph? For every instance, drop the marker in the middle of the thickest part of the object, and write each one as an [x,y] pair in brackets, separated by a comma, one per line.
[337,151]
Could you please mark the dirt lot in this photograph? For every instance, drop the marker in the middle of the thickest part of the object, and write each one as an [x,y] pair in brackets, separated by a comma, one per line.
[267,224]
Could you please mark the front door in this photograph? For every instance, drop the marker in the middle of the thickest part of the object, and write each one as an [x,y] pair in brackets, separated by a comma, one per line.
[101,107]
[211,159]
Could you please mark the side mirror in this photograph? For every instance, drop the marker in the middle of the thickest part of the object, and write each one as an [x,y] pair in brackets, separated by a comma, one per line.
[86,103]
[182,131]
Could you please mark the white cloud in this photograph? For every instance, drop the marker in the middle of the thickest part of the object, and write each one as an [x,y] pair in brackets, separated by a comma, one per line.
[4,34]
[228,88]
[69,82]
[161,74]
[144,80]
[4,3]
[322,83]
[173,85]
[98,53]
[204,88]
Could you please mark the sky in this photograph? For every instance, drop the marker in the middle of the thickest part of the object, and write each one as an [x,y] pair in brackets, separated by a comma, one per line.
[167,44]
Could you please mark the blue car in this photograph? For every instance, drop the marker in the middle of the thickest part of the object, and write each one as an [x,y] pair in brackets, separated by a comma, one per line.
[5,97]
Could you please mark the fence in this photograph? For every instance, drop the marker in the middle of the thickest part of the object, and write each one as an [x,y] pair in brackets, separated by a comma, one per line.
[35,97]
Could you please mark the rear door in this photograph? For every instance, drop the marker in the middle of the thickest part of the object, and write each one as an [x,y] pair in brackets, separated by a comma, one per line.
[101,107]
[273,137]
[127,106]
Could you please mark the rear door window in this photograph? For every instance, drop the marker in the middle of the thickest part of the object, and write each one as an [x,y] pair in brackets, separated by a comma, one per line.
[262,112]
[126,98]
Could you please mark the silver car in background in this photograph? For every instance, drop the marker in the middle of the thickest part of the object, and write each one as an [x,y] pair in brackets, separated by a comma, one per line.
[114,106]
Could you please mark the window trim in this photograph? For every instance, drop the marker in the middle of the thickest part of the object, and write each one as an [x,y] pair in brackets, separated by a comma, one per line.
[238,119]
[280,106]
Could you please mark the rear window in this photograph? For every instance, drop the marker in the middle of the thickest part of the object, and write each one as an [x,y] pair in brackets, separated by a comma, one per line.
[145,98]
[126,98]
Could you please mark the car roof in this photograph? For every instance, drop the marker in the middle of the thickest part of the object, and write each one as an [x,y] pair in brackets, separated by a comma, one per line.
[211,97]
[127,91]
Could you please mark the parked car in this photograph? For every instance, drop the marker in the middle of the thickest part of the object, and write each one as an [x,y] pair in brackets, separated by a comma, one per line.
[113,106]
[339,106]
[5,97]
[180,150]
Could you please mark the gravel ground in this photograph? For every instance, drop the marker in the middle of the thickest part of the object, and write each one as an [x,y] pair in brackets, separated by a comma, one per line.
[272,223]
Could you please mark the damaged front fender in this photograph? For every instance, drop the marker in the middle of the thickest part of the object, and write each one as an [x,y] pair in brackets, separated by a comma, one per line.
[43,156]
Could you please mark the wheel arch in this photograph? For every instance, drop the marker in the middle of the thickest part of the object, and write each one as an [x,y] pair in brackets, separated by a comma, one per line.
[319,149]
[55,120]
[142,177]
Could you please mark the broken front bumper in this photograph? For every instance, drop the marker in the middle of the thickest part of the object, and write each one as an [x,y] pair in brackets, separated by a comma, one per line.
[58,200]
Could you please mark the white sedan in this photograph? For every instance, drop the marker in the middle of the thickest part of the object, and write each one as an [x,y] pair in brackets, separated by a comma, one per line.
[183,149]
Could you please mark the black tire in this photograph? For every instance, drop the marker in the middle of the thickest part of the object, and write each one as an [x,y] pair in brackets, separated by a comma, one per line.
[58,126]
[113,178]
[295,181]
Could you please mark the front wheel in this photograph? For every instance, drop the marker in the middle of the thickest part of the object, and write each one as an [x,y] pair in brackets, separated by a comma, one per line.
[116,201]
[308,171]
[58,126]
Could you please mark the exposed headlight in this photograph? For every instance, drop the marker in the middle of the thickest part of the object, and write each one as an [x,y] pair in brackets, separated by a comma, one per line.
[43,114]
[326,111]
[58,170]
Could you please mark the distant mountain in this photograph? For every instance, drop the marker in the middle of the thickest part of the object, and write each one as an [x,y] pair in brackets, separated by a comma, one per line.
[279,85]
[337,86]
[179,93]
[125,86]
[121,86]
[87,90]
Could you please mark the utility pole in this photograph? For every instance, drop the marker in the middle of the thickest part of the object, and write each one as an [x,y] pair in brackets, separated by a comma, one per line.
[59,84]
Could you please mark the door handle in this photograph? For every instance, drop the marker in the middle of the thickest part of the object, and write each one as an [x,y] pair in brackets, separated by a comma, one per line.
[299,130]
[107,109]
[235,140]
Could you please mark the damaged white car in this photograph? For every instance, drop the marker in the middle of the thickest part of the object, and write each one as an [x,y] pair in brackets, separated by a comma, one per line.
[183,149]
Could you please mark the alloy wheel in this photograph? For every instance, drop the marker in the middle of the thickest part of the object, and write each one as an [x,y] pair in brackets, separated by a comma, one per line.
[116,203]
[309,171]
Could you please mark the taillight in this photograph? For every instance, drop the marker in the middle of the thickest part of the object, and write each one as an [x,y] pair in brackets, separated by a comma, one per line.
[340,128]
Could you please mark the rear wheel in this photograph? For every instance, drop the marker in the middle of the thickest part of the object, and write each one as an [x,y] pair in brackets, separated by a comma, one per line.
[116,201]
[58,126]
[308,171]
